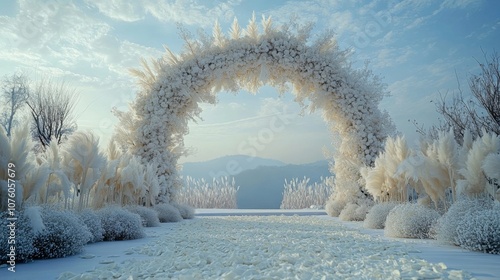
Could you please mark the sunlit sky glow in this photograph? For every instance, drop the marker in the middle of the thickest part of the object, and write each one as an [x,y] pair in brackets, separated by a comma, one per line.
[417,47]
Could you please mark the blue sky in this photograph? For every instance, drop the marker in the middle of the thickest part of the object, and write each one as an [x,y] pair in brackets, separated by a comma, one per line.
[415,46]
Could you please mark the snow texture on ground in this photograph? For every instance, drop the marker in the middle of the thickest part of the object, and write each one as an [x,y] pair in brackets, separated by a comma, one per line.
[269,247]
[264,247]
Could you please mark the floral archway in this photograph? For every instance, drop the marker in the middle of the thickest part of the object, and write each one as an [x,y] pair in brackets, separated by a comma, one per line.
[175,85]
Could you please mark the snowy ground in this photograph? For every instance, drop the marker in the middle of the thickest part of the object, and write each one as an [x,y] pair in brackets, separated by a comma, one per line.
[264,244]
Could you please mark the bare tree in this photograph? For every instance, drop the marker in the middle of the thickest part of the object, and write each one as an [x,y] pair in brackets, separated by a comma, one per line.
[477,111]
[51,105]
[15,93]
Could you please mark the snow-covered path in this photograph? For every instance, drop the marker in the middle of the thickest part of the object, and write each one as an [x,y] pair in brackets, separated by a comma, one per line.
[266,246]
[270,247]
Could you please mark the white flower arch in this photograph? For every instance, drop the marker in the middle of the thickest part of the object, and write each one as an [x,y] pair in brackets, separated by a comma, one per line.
[174,85]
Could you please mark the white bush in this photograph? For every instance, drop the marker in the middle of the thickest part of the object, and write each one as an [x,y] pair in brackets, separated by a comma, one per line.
[378,214]
[354,212]
[186,211]
[480,231]
[167,213]
[64,234]
[410,220]
[120,224]
[24,237]
[334,207]
[93,222]
[148,215]
[446,227]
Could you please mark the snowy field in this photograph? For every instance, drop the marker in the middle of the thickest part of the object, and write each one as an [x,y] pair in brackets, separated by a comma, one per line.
[264,244]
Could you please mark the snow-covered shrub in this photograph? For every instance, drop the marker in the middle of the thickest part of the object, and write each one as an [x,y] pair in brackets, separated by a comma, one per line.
[378,214]
[480,231]
[354,212]
[410,220]
[299,194]
[186,211]
[167,213]
[24,235]
[446,227]
[120,224]
[93,223]
[148,215]
[335,204]
[64,234]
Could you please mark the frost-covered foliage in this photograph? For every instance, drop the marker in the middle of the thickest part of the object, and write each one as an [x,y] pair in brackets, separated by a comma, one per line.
[58,186]
[120,224]
[148,215]
[480,231]
[167,213]
[354,212]
[75,174]
[377,215]
[186,211]
[63,235]
[410,220]
[29,175]
[447,225]
[130,186]
[491,168]
[220,193]
[382,180]
[24,235]
[439,170]
[319,71]
[93,223]
[433,168]
[474,180]
[125,181]
[84,163]
[301,194]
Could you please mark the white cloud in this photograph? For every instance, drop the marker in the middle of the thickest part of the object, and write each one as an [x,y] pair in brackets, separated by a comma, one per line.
[176,11]
[235,106]
[64,41]
[343,22]
[120,10]
[404,12]
[459,4]
[304,12]
[391,57]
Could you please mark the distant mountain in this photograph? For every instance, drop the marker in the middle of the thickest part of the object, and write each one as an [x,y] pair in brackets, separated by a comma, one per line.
[262,188]
[225,166]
